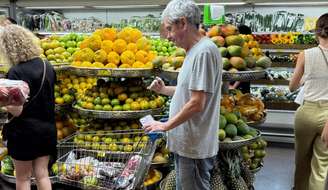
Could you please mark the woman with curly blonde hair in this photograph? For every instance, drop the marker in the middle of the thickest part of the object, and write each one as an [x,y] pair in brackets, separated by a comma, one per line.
[31,135]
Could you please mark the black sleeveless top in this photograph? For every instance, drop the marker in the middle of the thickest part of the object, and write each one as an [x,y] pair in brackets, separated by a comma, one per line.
[33,134]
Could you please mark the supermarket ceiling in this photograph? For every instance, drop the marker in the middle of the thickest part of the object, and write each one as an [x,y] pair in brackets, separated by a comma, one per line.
[92,3]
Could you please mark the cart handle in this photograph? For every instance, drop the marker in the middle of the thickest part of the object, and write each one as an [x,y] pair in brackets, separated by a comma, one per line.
[155,135]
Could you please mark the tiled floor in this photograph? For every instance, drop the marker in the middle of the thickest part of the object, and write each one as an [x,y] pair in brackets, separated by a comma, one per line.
[278,170]
[277,173]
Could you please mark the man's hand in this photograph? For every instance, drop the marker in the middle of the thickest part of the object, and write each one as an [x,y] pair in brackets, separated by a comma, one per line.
[324,134]
[157,85]
[156,126]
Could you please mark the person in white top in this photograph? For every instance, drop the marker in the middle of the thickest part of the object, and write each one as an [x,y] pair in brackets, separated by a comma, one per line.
[311,154]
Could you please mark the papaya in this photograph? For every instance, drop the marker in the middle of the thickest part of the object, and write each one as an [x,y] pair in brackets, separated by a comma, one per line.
[238,63]
[223,51]
[233,70]
[250,61]
[214,31]
[228,30]
[158,61]
[179,52]
[218,40]
[177,62]
[234,40]
[264,62]
[234,50]
[226,63]
[244,51]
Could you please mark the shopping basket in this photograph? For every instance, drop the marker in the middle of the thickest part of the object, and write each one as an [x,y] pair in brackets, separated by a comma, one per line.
[106,160]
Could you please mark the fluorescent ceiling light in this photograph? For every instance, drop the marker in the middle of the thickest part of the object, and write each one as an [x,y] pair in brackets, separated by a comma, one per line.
[126,6]
[57,7]
[293,3]
[227,3]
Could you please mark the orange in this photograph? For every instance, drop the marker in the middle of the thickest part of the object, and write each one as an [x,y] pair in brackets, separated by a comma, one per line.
[59,100]
[60,135]
[107,46]
[66,131]
[111,65]
[125,66]
[127,57]
[122,97]
[132,47]
[135,106]
[89,106]
[113,57]
[119,46]
[59,125]
[129,101]
[134,126]
[118,90]
[142,56]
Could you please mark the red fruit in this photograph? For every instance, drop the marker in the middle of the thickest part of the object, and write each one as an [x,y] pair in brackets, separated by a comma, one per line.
[16,97]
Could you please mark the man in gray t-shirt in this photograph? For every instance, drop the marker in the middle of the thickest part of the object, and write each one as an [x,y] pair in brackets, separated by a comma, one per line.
[194,110]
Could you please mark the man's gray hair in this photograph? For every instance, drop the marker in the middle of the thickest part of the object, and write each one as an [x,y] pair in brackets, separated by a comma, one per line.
[177,9]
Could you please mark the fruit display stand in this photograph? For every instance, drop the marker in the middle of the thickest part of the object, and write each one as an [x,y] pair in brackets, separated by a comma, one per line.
[234,170]
[107,106]
[275,94]
[103,72]
[116,114]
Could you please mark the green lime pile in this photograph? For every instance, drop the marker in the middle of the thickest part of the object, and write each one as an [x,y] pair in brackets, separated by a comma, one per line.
[163,47]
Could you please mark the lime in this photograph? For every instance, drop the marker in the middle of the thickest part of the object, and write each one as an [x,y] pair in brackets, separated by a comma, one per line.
[105,101]
[115,102]
[97,101]
[117,108]
[126,107]
[98,107]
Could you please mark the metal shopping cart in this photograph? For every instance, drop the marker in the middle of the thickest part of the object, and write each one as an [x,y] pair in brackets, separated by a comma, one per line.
[106,160]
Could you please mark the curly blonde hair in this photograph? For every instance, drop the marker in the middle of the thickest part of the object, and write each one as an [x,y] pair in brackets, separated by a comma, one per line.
[18,44]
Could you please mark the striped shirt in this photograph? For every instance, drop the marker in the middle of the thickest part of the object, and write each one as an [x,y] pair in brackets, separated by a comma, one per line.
[316,75]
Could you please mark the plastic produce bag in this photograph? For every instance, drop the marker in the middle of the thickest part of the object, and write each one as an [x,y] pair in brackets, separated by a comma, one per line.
[300,96]
[13,92]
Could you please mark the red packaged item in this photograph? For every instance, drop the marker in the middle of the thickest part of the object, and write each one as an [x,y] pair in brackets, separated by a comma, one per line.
[13,92]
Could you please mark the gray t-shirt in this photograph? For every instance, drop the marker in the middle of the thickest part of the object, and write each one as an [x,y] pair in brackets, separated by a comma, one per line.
[197,138]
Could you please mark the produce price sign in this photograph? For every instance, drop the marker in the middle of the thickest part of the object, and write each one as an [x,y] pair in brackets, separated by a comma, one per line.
[309,23]
[213,14]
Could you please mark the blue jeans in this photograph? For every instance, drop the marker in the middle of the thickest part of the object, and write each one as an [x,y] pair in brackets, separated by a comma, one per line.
[193,174]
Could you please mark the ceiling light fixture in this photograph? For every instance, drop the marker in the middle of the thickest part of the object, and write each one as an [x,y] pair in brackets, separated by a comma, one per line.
[126,6]
[56,7]
[227,3]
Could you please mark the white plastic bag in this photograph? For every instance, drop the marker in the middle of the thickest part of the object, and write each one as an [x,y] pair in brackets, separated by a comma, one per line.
[13,92]
[300,96]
